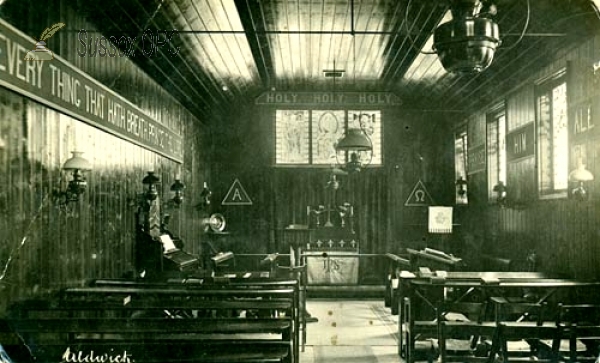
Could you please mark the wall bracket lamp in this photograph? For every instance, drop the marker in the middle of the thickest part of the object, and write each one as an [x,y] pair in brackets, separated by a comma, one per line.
[152,181]
[580,176]
[205,196]
[461,191]
[501,192]
[77,165]
[177,189]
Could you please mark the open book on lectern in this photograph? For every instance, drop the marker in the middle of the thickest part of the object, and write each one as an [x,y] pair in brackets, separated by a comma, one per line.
[167,243]
[183,260]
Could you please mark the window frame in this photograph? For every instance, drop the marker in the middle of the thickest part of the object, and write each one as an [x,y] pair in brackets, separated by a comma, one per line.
[461,136]
[545,88]
[494,116]
[378,145]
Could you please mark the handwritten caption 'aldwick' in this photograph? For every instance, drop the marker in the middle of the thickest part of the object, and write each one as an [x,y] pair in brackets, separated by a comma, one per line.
[74,356]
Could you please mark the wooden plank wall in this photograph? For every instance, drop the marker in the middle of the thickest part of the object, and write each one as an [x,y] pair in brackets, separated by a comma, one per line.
[415,149]
[45,245]
[563,233]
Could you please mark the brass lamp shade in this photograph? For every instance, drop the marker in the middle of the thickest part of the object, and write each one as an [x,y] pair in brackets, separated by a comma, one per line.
[77,162]
[177,189]
[150,179]
[354,140]
[581,174]
[177,186]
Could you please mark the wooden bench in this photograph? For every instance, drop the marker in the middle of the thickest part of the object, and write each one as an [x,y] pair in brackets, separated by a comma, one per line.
[244,323]
[395,265]
[233,279]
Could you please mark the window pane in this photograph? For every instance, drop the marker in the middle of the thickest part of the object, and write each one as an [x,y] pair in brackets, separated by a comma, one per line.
[553,139]
[496,152]
[560,138]
[545,148]
[327,129]
[370,123]
[492,155]
[502,148]
[460,155]
[291,137]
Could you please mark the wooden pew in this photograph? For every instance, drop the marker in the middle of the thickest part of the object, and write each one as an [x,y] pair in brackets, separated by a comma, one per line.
[395,265]
[244,323]
[424,293]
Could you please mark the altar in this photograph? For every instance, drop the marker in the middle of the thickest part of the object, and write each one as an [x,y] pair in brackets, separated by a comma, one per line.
[331,257]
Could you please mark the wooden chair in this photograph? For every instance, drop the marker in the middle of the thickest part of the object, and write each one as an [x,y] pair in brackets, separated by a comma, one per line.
[521,327]
[461,329]
[579,326]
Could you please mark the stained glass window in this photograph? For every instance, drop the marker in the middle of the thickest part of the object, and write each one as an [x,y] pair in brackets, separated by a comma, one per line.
[370,123]
[291,137]
[309,137]
[327,128]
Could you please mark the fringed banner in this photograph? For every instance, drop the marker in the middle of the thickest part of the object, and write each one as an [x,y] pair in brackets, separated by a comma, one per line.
[440,220]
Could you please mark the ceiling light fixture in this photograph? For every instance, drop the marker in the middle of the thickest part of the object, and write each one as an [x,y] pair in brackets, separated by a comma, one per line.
[358,147]
[467,43]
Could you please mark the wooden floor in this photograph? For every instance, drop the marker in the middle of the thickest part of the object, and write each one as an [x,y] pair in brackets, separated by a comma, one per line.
[348,331]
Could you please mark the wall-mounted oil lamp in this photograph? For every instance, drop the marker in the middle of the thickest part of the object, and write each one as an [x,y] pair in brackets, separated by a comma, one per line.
[77,185]
[177,188]
[461,191]
[151,193]
[580,176]
[501,192]
[151,181]
[205,195]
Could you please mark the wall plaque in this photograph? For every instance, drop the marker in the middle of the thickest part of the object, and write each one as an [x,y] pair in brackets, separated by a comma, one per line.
[277,98]
[519,142]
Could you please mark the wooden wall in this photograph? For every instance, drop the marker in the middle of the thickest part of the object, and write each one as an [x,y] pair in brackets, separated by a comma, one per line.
[44,245]
[415,148]
[563,233]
